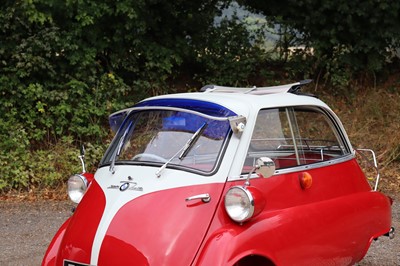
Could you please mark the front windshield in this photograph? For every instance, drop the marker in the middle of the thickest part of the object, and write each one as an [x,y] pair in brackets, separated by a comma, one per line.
[154,137]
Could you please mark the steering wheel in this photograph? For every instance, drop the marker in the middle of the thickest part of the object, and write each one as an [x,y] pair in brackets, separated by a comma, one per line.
[151,156]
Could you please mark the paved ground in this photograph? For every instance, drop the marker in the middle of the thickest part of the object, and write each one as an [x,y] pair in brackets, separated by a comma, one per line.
[26,229]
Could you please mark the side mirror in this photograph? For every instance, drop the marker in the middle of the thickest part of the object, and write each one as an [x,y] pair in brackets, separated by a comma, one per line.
[264,166]
[83,150]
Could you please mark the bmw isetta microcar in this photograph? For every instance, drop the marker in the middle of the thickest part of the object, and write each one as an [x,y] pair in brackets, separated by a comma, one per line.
[225,176]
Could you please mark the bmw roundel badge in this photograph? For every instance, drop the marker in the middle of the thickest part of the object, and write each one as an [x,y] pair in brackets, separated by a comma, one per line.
[124,186]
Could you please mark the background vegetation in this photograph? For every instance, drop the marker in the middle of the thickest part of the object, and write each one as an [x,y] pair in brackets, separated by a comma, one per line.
[65,65]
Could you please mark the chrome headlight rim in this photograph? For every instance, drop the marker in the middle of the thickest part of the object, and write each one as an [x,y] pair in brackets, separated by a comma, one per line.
[76,187]
[247,210]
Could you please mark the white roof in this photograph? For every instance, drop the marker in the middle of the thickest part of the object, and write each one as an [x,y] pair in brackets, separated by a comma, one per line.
[245,100]
[248,101]
[256,90]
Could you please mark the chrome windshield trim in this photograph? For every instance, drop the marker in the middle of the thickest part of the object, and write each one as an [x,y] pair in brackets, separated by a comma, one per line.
[146,108]
[299,168]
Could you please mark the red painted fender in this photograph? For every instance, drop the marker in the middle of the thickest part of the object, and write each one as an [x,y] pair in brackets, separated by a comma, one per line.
[223,248]
[52,250]
[293,236]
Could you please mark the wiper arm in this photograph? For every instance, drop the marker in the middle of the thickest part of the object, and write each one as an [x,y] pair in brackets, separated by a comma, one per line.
[119,148]
[192,140]
[185,149]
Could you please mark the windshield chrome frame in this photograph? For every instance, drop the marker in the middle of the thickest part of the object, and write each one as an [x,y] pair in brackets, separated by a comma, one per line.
[168,108]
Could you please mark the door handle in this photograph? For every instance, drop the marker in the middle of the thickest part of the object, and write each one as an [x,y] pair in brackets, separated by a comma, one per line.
[203,197]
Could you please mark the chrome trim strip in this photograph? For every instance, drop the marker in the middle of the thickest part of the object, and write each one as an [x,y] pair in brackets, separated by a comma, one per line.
[299,168]
[145,108]
[374,165]
[315,165]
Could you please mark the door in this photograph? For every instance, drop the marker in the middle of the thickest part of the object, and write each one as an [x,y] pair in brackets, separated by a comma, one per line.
[327,221]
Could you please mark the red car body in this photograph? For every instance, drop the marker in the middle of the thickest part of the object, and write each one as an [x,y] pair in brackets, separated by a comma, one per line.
[318,209]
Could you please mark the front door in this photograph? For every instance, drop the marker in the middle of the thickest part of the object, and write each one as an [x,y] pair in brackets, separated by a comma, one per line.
[318,195]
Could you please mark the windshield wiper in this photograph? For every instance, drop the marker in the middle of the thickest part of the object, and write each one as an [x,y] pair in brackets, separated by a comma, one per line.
[192,140]
[185,149]
[119,148]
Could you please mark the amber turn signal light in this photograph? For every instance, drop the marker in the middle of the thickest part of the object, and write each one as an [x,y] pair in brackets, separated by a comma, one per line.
[305,180]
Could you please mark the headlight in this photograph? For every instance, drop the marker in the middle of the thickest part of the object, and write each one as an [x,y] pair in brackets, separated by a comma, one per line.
[243,203]
[77,186]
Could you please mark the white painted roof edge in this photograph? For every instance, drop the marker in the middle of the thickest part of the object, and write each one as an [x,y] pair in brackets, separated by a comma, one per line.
[243,103]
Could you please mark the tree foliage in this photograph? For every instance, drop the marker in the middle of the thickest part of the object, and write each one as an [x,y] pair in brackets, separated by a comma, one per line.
[360,34]
[229,54]
[65,65]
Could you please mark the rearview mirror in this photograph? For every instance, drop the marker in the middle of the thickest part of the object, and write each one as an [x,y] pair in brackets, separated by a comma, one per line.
[265,166]
[82,150]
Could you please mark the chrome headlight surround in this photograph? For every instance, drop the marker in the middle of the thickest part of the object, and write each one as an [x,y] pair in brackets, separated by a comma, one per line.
[239,204]
[77,186]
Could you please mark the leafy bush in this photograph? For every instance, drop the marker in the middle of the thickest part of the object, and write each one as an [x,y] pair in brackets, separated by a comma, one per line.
[371,120]
[229,55]
[14,146]
[66,65]
[358,34]
[24,170]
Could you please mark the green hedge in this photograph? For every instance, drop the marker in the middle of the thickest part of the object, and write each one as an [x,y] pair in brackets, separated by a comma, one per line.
[66,65]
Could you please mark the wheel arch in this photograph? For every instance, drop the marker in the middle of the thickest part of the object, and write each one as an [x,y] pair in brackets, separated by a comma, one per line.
[254,260]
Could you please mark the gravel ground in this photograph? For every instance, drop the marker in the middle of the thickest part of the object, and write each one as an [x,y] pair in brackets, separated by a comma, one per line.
[27,229]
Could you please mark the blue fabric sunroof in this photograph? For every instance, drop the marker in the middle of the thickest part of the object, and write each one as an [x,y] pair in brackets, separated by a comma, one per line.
[207,108]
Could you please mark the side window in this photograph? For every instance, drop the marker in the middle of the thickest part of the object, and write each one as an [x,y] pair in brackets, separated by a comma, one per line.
[294,136]
[318,138]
